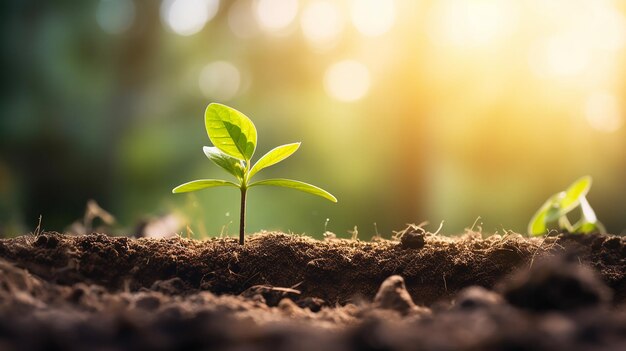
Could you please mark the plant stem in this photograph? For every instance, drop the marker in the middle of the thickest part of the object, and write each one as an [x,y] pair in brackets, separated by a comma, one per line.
[242,216]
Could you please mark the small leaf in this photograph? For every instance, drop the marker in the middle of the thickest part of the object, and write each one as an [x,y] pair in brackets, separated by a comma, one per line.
[538,223]
[202,184]
[274,156]
[586,228]
[555,211]
[298,185]
[578,189]
[228,163]
[230,131]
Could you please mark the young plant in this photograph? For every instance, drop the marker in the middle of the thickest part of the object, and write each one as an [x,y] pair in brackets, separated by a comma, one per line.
[556,208]
[234,138]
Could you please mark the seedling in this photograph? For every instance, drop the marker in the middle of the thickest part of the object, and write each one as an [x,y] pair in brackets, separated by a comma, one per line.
[234,138]
[556,208]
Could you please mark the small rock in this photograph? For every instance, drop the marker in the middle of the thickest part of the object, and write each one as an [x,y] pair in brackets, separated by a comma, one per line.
[393,295]
[477,297]
[413,237]
[47,241]
[556,284]
[314,304]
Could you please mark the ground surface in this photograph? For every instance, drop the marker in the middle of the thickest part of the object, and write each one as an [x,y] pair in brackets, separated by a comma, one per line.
[289,292]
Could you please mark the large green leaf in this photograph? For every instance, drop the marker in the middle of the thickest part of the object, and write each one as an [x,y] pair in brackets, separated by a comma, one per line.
[578,189]
[202,184]
[228,163]
[274,156]
[230,131]
[294,184]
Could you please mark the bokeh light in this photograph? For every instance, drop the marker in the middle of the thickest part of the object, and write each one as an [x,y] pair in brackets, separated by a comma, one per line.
[188,17]
[321,23]
[347,80]
[603,112]
[276,15]
[373,17]
[559,56]
[115,16]
[472,23]
[220,81]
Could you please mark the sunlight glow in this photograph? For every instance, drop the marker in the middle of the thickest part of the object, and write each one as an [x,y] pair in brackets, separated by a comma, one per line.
[321,23]
[562,55]
[220,80]
[115,16]
[603,112]
[607,29]
[188,17]
[580,40]
[276,15]
[373,17]
[472,22]
[347,80]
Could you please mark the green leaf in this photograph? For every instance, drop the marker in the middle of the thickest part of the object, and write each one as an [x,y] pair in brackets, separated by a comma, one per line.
[230,131]
[538,223]
[578,189]
[586,228]
[274,156]
[228,163]
[294,184]
[202,184]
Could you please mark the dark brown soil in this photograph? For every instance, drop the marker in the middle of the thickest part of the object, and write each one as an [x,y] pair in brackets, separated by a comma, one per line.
[291,292]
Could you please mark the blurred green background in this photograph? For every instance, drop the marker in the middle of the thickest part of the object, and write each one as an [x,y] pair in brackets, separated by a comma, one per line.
[407,110]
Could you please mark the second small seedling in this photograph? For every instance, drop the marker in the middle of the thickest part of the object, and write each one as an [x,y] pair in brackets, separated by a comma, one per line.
[234,138]
[556,208]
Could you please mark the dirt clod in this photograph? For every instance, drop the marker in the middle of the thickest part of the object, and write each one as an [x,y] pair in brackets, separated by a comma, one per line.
[477,297]
[557,284]
[314,304]
[392,295]
[413,237]
[148,302]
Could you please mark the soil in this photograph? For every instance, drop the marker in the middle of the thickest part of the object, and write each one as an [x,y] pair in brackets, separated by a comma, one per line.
[279,291]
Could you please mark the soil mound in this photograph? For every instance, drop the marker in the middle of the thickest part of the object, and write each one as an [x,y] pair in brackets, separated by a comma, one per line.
[281,292]
[336,271]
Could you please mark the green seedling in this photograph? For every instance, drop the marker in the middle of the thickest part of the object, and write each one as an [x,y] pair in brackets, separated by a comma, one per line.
[556,208]
[234,138]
